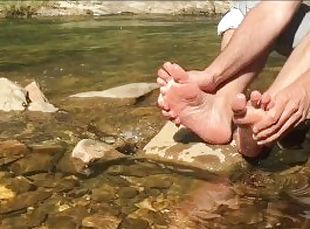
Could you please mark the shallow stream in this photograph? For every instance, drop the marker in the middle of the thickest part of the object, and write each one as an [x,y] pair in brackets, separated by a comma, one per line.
[67,56]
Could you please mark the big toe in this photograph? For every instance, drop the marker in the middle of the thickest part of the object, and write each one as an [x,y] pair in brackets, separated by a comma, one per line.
[179,74]
[255,98]
[175,71]
[239,105]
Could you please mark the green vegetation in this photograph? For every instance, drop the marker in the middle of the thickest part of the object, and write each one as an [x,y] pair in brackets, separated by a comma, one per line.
[21,8]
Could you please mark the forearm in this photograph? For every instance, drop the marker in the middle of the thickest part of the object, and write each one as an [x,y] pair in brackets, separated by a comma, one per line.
[255,36]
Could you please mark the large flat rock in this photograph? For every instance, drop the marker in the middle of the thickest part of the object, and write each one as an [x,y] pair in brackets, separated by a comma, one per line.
[128,91]
[12,96]
[177,146]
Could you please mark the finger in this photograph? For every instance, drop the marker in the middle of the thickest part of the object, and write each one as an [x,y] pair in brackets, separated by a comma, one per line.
[290,122]
[273,117]
[162,103]
[299,121]
[255,98]
[163,75]
[287,113]
[161,82]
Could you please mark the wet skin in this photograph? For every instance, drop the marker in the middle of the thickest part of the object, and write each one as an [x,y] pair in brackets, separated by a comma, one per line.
[186,104]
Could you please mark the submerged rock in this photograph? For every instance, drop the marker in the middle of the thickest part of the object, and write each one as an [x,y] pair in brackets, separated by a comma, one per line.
[128,91]
[38,102]
[24,200]
[6,193]
[88,150]
[12,96]
[12,150]
[179,147]
[101,220]
[61,222]
[42,158]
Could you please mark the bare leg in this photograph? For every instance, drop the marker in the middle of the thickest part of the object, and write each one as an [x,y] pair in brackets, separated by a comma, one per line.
[266,124]
[208,115]
[297,64]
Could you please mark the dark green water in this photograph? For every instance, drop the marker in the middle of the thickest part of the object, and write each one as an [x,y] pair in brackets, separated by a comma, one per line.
[68,56]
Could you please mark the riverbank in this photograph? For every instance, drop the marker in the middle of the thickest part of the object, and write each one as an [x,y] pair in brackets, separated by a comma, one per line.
[33,8]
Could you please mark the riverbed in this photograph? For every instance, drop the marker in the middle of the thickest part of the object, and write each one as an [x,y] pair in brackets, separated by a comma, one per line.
[71,55]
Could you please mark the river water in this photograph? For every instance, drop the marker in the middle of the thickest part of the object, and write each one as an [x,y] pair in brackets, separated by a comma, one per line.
[67,56]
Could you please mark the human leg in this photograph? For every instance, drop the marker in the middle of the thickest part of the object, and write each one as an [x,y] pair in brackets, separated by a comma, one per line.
[286,103]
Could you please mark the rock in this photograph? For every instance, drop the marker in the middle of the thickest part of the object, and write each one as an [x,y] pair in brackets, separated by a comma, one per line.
[88,150]
[38,102]
[179,147]
[43,107]
[137,170]
[12,150]
[58,183]
[5,193]
[128,91]
[284,158]
[12,96]
[157,181]
[31,219]
[127,193]
[102,221]
[68,166]
[104,193]
[24,200]
[134,223]
[41,159]
[61,222]
[18,184]
[97,8]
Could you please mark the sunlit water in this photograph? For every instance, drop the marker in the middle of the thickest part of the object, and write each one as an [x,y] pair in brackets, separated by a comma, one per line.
[69,56]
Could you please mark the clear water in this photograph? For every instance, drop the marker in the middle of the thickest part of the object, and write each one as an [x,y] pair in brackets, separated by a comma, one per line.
[67,56]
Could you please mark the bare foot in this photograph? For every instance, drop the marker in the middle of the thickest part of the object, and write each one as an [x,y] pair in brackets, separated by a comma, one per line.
[207,115]
[247,114]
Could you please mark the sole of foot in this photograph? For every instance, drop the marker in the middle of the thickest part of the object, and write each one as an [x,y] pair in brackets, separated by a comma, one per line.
[206,115]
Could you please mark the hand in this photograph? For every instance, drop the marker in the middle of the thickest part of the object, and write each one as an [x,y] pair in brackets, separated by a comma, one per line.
[285,110]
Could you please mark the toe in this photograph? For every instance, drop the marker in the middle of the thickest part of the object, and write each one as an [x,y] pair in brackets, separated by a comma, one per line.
[255,98]
[167,67]
[179,74]
[163,90]
[162,74]
[239,105]
[170,115]
[161,82]
[162,103]
[175,71]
